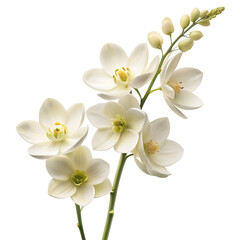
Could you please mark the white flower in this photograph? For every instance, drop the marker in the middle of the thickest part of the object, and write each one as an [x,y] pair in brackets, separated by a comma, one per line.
[118,124]
[154,150]
[120,73]
[57,131]
[177,86]
[78,176]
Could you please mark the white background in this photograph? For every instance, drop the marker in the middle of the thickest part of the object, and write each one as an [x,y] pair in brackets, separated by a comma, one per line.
[45,47]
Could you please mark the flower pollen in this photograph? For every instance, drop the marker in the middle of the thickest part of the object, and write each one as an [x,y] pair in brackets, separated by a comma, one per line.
[57,132]
[79,177]
[123,77]
[175,85]
[119,123]
[152,147]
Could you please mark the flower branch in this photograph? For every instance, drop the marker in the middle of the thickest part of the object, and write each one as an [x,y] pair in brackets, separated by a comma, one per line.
[122,125]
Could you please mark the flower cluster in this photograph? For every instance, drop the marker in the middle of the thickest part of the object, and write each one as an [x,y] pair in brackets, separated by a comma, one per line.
[121,122]
[57,137]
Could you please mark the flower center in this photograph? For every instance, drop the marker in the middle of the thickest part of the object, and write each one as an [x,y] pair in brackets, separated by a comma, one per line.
[119,124]
[79,177]
[152,147]
[175,85]
[123,76]
[57,132]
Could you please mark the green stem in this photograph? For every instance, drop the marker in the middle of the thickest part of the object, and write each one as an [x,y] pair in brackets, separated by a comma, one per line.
[156,89]
[80,225]
[113,196]
[139,94]
[161,63]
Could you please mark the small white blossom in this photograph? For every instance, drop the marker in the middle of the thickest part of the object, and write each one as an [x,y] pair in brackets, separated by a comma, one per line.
[177,86]
[58,130]
[154,151]
[79,176]
[120,73]
[118,124]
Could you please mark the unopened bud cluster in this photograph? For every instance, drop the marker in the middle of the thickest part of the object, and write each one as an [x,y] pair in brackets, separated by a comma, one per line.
[214,12]
[196,16]
[206,16]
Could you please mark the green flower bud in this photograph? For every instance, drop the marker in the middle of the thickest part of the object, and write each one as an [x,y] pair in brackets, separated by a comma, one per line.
[195,14]
[155,39]
[203,13]
[185,44]
[184,21]
[196,35]
[167,26]
[205,23]
[214,12]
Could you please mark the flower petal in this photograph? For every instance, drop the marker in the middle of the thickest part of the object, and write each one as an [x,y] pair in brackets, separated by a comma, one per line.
[61,189]
[127,141]
[52,111]
[159,131]
[73,142]
[138,59]
[135,119]
[32,132]
[164,68]
[158,171]
[112,57]
[115,93]
[141,165]
[97,172]
[99,80]
[112,109]
[141,80]
[169,153]
[187,100]
[171,66]
[129,101]
[103,188]
[173,108]
[97,118]
[81,158]
[44,150]
[153,65]
[84,195]
[104,138]
[59,168]
[76,114]
[190,78]
[168,91]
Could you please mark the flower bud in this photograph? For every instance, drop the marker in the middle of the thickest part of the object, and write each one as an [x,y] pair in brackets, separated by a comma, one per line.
[184,21]
[155,39]
[196,35]
[185,44]
[205,23]
[195,14]
[203,13]
[167,26]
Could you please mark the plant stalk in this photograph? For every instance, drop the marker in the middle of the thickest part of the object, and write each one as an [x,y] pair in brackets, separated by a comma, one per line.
[113,196]
[80,224]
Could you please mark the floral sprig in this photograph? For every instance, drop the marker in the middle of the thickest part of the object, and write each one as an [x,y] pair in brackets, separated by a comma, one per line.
[123,125]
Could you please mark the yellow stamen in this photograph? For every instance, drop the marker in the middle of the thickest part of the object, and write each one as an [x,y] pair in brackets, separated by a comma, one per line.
[175,85]
[152,147]
[123,76]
